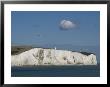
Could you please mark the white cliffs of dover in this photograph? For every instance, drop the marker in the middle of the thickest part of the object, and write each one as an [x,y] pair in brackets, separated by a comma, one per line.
[40,56]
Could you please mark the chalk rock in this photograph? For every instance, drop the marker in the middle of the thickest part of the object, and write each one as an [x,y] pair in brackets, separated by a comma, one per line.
[40,56]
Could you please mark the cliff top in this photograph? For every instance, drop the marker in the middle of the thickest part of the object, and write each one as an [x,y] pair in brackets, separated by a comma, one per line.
[19,49]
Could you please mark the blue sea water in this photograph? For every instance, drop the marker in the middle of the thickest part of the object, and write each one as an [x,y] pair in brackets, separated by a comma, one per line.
[56,71]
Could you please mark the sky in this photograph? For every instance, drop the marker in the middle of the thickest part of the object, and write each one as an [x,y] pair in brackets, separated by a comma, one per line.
[55,27]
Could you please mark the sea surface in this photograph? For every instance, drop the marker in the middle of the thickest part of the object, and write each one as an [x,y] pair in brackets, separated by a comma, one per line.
[56,71]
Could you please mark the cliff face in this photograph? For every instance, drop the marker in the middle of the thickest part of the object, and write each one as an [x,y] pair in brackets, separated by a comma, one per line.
[40,56]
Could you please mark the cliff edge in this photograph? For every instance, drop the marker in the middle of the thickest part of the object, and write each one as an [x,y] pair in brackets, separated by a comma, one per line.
[41,56]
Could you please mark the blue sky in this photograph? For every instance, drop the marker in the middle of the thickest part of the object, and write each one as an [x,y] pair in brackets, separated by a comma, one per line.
[42,27]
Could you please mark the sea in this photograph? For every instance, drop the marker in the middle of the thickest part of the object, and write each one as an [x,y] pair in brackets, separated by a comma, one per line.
[57,71]
[62,71]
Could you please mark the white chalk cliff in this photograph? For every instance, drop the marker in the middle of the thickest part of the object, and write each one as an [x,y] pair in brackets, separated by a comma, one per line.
[40,56]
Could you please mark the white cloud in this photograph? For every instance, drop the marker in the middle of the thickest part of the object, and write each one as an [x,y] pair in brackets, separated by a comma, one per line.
[67,24]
